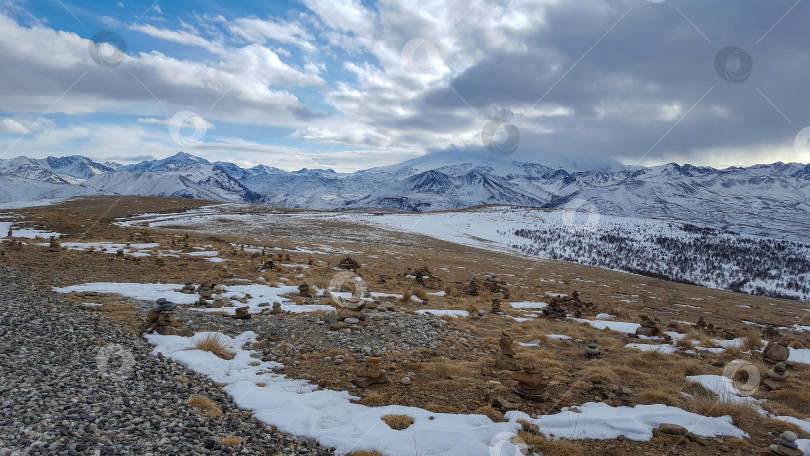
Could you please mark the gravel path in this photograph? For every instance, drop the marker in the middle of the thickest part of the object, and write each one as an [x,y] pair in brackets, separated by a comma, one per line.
[70,384]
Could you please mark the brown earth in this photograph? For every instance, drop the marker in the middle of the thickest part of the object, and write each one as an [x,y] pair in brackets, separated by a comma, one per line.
[453,378]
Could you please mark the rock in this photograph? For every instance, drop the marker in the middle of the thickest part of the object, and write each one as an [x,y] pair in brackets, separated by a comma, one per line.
[672,429]
[338,325]
[329,316]
[502,403]
[405,380]
[785,445]
[789,435]
[776,351]
[351,321]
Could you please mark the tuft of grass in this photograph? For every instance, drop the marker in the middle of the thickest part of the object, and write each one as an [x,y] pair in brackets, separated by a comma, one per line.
[181,379]
[413,290]
[205,405]
[373,399]
[539,444]
[232,441]
[261,384]
[601,375]
[214,343]
[490,413]
[744,416]
[397,422]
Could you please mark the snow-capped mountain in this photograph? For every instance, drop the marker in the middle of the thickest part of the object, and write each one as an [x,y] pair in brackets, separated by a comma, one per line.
[769,200]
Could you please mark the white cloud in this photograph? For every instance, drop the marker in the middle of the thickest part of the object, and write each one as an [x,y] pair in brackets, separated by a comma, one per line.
[269,31]
[178,36]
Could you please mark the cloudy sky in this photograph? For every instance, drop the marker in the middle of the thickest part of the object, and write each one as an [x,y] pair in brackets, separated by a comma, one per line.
[349,84]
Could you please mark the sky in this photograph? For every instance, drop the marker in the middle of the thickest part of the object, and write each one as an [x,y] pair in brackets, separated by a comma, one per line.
[349,84]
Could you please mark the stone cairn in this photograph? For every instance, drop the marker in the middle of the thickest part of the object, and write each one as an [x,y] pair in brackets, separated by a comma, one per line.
[426,279]
[776,377]
[649,327]
[276,308]
[370,373]
[496,304]
[220,300]
[350,314]
[776,352]
[304,290]
[529,383]
[10,232]
[349,263]
[593,352]
[785,445]
[52,244]
[506,360]
[242,313]
[562,306]
[189,288]
[161,320]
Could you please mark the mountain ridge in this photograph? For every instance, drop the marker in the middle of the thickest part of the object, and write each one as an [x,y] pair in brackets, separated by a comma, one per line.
[768,199]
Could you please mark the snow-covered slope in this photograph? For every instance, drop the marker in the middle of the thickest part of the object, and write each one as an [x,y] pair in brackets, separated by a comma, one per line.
[150,184]
[14,188]
[30,169]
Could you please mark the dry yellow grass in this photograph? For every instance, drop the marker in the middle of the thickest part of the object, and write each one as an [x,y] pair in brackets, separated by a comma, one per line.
[181,379]
[706,404]
[601,375]
[397,422]
[539,444]
[205,405]
[213,343]
[490,413]
[261,384]
[373,399]
[413,290]
[232,441]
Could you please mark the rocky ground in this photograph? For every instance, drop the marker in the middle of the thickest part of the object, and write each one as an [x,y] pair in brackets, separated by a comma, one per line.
[72,384]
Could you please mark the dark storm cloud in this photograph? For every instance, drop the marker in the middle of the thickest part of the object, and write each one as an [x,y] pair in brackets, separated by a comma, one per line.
[657,55]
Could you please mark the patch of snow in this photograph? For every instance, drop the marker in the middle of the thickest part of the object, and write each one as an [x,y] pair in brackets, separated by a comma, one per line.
[618,326]
[298,407]
[443,312]
[528,305]
[666,349]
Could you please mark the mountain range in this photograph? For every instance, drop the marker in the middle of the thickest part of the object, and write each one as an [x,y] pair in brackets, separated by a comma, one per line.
[769,200]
